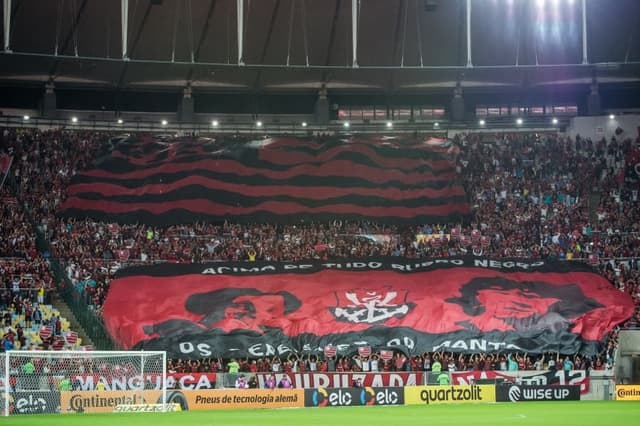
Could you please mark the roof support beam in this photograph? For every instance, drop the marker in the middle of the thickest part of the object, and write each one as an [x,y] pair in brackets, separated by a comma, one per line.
[74,26]
[469,62]
[240,19]
[396,41]
[332,38]
[354,31]
[585,57]
[134,44]
[124,14]
[272,24]
[203,35]
[7,25]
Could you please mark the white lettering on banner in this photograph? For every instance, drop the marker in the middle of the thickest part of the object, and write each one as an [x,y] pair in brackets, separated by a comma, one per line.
[373,265]
[265,349]
[195,381]
[220,270]
[474,344]
[345,380]
[543,378]
[204,349]
[486,263]
[405,342]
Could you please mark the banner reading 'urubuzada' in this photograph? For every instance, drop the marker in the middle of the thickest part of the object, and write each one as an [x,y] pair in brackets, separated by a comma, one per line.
[456,304]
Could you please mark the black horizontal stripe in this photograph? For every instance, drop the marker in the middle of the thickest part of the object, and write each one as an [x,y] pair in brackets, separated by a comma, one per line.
[250,158]
[263,180]
[182,216]
[237,199]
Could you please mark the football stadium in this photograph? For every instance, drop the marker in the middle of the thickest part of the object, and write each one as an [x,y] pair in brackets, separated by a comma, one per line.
[285,212]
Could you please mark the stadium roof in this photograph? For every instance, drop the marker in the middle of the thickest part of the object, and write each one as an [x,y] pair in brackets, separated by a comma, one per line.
[403,45]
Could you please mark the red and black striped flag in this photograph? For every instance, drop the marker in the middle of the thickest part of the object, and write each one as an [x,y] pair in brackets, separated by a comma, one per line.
[270,180]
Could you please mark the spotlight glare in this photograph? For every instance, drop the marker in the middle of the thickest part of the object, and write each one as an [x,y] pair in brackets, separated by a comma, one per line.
[519,121]
[304,124]
[611,117]
[215,123]
[436,124]
[258,123]
[554,121]
[482,122]
[26,118]
[346,124]
[120,121]
[74,119]
[164,122]
[389,124]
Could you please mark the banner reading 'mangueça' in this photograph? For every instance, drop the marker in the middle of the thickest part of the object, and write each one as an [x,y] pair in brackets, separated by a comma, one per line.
[455,304]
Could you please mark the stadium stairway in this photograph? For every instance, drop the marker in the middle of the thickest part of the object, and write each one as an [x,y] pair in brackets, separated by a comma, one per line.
[66,312]
[594,202]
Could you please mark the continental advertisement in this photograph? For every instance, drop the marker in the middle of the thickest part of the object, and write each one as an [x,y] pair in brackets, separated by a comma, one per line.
[627,392]
[210,399]
[104,401]
[427,395]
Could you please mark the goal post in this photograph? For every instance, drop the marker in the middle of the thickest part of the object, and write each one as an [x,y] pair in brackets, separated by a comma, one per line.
[35,382]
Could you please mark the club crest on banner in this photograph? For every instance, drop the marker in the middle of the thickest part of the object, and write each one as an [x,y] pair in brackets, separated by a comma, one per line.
[371,306]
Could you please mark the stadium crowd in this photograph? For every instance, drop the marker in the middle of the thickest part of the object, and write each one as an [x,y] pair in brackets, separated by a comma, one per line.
[532,195]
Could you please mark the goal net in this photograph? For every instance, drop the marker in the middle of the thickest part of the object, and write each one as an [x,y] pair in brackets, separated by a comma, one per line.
[66,382]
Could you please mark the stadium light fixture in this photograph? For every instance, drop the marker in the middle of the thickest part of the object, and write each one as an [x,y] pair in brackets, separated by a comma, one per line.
[120,121]
[481,122]
[304,124]
[389,124]
[164,122]
[215,123]
[346,124]
[611,116]
[74,119]
[519,121]
[554,121]
[258,123]
[436,124]
[26,118]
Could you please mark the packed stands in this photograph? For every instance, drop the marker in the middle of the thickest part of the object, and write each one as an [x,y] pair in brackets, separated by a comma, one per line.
[531,196]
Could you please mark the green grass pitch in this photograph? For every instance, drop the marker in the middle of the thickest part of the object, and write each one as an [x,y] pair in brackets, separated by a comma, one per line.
[584,413]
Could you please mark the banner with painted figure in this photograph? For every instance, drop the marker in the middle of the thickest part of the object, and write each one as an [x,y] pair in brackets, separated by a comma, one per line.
[160,182]
[454,304]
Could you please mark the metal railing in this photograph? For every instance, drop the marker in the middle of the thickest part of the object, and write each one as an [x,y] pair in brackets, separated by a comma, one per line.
[84,312]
